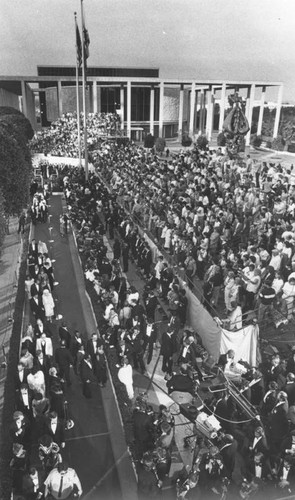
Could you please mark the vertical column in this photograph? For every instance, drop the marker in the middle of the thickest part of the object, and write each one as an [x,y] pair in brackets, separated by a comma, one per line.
[202,109]
[152,110]
[94,96]
[278,112]
[209,114]
[196,111]
[192,110]
[222,107]
[129,109]
[24,98]
[161,109]
[250,112]
[98,90]
[122,106]
[180,116]
[261,109]
[59,98]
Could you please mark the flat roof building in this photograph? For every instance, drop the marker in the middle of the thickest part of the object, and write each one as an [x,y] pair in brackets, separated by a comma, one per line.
[165,107]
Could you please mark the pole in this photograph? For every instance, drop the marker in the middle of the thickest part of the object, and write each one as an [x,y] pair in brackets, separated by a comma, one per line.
[84,93]
[77,94]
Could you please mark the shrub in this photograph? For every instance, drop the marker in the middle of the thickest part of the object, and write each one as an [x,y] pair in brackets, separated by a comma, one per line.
[202,142]
[256,141]
[269,144]
[149,141]
[278,143]
[160,144]
[186,141]
[221,139]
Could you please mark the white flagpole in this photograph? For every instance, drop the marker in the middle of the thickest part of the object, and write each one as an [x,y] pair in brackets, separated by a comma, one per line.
[84,94]
[77,94]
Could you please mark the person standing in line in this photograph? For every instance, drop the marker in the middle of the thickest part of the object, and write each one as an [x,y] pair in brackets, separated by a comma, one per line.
[62,483]
[64,359]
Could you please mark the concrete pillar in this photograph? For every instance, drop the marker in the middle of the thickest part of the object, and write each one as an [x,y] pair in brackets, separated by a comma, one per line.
[59,98]
[161,109]
[94,96]
[202,110]
[261,109]
[129,109]
[98,90]
[222,107]
[278,112]
[180,116]
[24,98]
[196,111]
[192,110]
[209,115]
[122,106]
[250,112]
[152,110]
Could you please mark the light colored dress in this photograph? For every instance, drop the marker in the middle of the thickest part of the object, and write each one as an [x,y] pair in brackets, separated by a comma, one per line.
[48,304]
[125,376]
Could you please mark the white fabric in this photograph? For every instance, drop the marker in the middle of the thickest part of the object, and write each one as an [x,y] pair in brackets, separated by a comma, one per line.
[244,342]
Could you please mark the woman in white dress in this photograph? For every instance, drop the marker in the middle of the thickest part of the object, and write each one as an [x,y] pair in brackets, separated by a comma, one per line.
[125,376]
[48,304]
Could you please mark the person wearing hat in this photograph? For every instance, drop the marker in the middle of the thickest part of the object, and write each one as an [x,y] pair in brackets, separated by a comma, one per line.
[62,483]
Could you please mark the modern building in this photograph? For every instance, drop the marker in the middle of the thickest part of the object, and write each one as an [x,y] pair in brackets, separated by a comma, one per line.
[146,102]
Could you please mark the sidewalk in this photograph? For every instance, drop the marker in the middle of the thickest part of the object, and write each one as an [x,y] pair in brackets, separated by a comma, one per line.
[9,267]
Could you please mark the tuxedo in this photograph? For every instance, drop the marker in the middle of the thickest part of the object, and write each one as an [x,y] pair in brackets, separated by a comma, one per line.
[42,364]
[64,334]
[21,378]
[45,346]
[33,251]
[87,376]
[151,306]
[122,351]
[168,348]
[36,289]
[57,433]
[149,338]
[37,308]
[64,359]
[24,403]
[91,348]
[289,389]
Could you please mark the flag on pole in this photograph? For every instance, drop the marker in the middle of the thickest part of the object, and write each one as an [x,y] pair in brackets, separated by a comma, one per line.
[86,42]
[78,47]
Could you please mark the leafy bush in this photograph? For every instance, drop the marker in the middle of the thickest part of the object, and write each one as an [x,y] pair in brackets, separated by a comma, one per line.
[278,143]
[202,142]
[269,144]
[149,141]
[186,141]
[160,144]
[15,169]
[256,141]
[221,139]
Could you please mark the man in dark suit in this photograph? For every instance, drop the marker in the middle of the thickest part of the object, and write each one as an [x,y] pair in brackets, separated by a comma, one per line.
[33,250]
[36,288]
[37,308]
[54,428]
[64,360]
[42,363]
[92,345]
[87,376]
[149,339]
[23,401]
[20,376]
[289,388]
[168,348]
[65,335]
[151,304]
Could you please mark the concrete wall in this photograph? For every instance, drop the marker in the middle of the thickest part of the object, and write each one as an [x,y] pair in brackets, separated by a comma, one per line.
[31,112]
[8,99]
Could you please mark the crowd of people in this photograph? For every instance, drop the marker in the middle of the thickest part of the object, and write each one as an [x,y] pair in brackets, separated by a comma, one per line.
[230,224]
[61,138]
[129,327]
